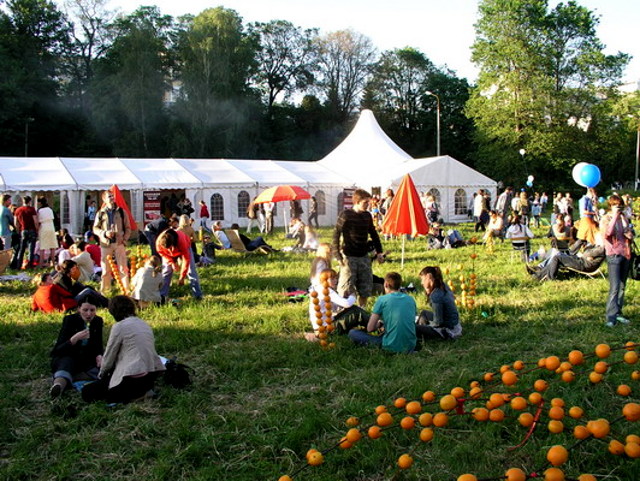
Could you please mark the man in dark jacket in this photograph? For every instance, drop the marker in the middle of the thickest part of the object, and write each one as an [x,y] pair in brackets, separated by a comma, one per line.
[587,261]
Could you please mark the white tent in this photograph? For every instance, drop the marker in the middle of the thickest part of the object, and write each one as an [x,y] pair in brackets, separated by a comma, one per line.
[367,157]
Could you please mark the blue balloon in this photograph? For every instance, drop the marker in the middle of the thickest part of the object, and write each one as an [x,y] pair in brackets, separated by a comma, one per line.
[601,199]
[590,175]
[529,183]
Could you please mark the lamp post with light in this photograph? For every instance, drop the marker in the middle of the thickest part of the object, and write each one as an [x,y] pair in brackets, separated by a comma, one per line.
[437,121]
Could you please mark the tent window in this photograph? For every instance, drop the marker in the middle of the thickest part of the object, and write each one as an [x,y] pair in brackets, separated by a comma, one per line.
[243,203]
[216,205]
[460,202]
[340,202]
[66,218]
[436,195]
[322,202]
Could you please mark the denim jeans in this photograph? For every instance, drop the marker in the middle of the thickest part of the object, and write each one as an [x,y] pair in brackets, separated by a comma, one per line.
[192,275]
[618,273]
[363,339]
[28,239]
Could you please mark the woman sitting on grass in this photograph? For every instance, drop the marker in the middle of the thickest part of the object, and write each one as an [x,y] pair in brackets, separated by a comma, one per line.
[50,297]
[130,364]
[520,235]
[77,354]
[147,283]
[67,278]
[443,321]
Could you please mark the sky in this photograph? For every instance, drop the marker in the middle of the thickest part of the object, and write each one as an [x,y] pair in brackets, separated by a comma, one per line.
[442,30]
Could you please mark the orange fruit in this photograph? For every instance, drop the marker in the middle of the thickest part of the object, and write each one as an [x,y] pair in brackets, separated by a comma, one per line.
[414,407]
[381,409]
[345,443]
[586,477]
[353,435]
[400,402]
[374,432]
[405,461]
[581,432]
[630,345]
[557,401]
[554,474]
[384,419]
[426,435]
[515,474]
[552,363]
[315,459]
[568,376]
[488,377]
[616,447]
[576,412]
[480,414]
[504,368]
[457,392]
[428,396]
[475,392]
[310,452]
[542,362]
[496,415]
[576,357]
[535,398]
[599,428]
[556,412]
[509,378]
[565,366]
[631,411]
[518,403]
[473,384]
[496,399]
[467,477]
[555,426]
[623,390]
[525,419]
[595,377]
[601,367]
[632,438]
[540,385]
[632,450]
[352,421]
[407,422]
[285,478]
[426,419]
[448,402]
[440,420]
[506,397]
[603,351]
[518,366]
[557,455]
[630,357]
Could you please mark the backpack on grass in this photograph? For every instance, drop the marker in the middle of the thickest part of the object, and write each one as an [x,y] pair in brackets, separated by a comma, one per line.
[176,374]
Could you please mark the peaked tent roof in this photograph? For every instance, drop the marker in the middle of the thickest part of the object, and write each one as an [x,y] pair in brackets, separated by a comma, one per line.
[441,171]
[366,150]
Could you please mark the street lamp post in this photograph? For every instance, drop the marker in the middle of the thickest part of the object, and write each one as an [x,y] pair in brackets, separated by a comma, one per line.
[437,121]
[26,136]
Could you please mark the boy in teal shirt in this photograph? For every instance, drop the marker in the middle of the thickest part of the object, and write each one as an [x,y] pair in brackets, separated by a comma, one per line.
[396,311]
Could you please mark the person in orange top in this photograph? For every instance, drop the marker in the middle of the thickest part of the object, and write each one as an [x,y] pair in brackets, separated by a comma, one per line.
[51,297]
[175,246]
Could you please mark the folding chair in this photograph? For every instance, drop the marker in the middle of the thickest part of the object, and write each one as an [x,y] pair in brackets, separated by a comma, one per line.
[520,245]
[590,275]
[238,246]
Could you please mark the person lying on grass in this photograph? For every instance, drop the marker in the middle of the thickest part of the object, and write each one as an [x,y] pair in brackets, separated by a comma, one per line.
[50,297]
[443,321]
[396,312]
[346,315]
[77,354]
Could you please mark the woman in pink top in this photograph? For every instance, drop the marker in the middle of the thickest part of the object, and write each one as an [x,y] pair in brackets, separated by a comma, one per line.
[618,233]
[175,246]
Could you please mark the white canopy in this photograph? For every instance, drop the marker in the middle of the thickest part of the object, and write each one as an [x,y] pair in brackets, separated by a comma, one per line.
[28,174]
[442,171]
[100,174]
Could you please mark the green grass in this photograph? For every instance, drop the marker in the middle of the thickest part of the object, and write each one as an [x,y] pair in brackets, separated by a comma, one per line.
[262,395]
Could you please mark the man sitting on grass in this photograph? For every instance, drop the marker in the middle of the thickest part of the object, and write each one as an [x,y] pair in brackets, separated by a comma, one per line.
[396,311]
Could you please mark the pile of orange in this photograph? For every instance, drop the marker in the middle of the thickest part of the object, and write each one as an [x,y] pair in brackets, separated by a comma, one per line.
[498,398]
[324,321]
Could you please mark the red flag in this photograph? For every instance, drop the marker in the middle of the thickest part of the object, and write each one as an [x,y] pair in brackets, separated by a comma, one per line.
[120,202]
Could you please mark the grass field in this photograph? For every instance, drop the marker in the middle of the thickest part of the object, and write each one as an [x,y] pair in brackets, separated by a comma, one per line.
[262,395]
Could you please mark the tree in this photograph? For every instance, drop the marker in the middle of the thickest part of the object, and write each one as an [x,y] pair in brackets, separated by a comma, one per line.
[283,59]
[344,59]
[130,83]
[542,79]
[217,62]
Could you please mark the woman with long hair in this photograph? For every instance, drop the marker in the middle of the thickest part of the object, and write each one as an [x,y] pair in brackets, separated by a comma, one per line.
[47,239]
[443,321]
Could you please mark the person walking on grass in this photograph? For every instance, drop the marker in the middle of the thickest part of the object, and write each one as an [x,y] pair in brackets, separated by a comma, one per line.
[395,312]
[26,221]
[355,227]
[618,235]
[174,247]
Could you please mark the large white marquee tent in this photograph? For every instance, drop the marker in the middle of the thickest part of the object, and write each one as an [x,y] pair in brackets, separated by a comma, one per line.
[367,158]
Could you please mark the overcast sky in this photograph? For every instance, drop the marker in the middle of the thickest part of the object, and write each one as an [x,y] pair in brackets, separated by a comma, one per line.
[443,30]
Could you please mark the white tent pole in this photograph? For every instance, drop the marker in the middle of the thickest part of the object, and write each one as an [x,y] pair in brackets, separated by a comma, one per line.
[404,236]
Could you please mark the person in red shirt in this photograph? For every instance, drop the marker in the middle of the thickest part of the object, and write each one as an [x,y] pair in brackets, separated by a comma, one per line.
[51,297]
[204,215]
[26,221]
[175,247]
[93,248]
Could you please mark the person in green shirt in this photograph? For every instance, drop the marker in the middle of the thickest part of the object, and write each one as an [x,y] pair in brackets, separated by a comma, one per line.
[396,312]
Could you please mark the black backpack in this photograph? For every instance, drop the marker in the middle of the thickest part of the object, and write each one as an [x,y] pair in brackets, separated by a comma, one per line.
[176,374]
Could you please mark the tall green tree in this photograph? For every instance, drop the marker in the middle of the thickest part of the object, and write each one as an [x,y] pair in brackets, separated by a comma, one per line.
[130,83]
[217,61]
[543,75]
